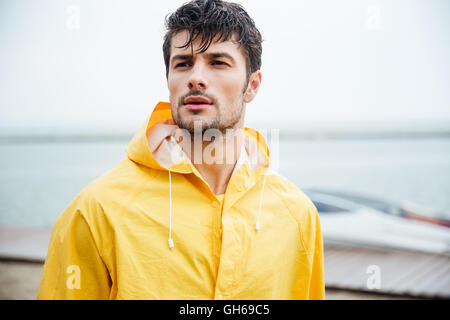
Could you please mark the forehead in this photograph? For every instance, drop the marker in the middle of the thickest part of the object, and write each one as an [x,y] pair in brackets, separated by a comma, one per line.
[230,46]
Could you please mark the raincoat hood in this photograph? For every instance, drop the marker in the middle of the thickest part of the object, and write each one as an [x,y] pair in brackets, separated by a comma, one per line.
[156,147]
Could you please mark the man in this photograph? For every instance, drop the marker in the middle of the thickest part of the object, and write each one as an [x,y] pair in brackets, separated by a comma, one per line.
[186,216]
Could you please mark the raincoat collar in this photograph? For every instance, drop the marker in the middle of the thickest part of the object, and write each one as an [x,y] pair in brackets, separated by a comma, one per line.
[169,156]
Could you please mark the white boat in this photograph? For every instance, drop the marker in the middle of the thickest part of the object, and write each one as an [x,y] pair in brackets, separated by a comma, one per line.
[347,222]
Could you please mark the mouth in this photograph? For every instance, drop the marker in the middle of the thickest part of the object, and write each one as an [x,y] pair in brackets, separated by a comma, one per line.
[197,103]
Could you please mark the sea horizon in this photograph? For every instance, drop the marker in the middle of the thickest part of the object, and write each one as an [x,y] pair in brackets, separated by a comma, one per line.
[303,131]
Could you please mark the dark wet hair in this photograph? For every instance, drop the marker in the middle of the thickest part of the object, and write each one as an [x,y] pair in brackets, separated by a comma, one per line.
[210,18]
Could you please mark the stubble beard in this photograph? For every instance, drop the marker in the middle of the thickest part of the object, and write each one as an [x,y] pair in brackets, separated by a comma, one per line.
[222,122]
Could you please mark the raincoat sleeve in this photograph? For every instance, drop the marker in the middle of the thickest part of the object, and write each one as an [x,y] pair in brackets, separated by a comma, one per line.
[73,267]
[317,283]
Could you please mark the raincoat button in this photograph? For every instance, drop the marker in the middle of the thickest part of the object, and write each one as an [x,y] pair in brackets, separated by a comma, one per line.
[215,204]
[219,296]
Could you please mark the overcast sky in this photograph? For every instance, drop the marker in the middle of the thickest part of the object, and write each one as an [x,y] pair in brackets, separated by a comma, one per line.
[98,63]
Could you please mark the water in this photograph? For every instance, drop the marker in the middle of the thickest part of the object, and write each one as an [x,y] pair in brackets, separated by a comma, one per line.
[39,180]
[399,170]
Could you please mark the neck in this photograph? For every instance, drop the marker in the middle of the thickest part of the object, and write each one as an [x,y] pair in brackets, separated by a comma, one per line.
[215,157]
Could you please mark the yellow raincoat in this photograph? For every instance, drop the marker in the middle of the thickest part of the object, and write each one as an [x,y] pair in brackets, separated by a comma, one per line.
[152,229]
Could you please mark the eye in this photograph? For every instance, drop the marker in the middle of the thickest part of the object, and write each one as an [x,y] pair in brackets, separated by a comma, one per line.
[219,63]
[182,65]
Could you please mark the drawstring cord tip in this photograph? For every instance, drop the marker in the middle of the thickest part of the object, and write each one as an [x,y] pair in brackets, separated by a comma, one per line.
[170,243]
[257,226]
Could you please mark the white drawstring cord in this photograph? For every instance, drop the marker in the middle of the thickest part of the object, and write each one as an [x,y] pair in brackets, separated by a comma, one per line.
[170,211]
[260,204]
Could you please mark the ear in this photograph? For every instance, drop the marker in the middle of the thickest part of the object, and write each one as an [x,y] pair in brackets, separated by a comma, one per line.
[253,85]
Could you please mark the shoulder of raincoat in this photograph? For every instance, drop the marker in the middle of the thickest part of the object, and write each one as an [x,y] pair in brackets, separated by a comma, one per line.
[151,228]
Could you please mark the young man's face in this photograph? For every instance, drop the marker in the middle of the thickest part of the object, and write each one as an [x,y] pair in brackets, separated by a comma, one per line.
[209,87]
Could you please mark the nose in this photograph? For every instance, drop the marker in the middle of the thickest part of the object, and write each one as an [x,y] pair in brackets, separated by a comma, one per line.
[197,79]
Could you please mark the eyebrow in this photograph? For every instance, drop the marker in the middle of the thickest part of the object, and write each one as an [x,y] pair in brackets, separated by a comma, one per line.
[209,55]
[220,55]
[181,57]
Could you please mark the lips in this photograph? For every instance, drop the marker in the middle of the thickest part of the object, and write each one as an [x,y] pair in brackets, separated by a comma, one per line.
[197,102]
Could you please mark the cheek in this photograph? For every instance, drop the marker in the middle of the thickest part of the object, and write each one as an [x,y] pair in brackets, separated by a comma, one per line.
[174,88]
[232,87]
